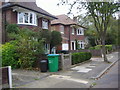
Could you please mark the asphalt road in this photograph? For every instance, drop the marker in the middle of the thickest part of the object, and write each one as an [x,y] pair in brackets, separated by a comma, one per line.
[110,79]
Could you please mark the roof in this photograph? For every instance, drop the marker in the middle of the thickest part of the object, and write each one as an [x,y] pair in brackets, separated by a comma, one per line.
[63,19]
[29,5]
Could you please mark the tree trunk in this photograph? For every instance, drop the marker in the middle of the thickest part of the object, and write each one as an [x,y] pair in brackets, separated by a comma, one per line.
[103,49]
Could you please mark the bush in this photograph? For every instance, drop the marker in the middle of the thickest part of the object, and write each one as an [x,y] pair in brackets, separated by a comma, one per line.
[12,28]
[92,48]
[108,48]
[80,57]
[98,47]
[9,55]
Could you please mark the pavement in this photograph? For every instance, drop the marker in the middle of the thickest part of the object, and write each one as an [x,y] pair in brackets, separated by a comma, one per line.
[79,76]
[110,79]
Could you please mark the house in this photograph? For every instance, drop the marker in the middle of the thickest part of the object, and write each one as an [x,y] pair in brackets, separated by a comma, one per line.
[26,15]
[72,33]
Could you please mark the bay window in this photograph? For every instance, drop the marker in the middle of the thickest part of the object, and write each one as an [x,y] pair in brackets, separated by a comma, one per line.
[28,18]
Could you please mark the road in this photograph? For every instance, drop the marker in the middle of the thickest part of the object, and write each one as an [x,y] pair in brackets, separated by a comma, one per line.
[110,79]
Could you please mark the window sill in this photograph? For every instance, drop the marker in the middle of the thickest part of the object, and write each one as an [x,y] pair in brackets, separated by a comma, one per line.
[61,32]
[26,24]
[80,34]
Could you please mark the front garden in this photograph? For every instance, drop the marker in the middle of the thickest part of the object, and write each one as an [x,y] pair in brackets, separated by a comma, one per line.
[25,48]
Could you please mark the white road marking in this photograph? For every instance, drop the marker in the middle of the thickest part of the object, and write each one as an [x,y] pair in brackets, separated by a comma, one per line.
[69,78]
[82,69]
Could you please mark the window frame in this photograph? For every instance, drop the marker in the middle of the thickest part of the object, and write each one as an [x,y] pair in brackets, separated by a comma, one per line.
[34,18]
[80,30]
[43,22]
[73,30]
[62,29]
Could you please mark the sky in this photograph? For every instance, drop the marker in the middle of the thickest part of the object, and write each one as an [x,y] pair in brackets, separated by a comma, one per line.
[51,6]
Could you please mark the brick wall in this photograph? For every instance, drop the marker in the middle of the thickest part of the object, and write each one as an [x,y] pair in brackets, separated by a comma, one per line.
[10,17]
[67,32]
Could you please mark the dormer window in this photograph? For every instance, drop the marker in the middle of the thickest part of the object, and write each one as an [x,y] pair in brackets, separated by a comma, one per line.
[80,31]
[44,23]
[27,18]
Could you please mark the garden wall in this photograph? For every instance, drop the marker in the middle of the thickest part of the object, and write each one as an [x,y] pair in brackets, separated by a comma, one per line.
[65,61]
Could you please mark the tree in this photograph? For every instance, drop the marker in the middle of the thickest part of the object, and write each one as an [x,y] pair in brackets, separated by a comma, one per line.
[45,34]
[101,13]
[56,39]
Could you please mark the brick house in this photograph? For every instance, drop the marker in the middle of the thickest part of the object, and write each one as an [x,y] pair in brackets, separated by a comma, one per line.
[26,15]
[72,33]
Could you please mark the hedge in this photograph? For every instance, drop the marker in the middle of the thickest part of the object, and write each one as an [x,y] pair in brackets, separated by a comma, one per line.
[80,57]
[9,55]
[108,47]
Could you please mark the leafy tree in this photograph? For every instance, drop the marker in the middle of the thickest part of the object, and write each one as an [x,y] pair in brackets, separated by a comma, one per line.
[56,39]
[101,13]
[112,33]
[29,48]
[45,34]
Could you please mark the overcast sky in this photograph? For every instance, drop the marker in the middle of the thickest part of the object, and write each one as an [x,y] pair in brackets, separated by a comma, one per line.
[51,6]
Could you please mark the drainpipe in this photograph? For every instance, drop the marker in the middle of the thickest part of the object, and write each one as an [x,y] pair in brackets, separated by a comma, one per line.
[69,39]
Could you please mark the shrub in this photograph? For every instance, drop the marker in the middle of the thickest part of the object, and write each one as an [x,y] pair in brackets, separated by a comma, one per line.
[108,48]
[91,48]
[12,28]
[9,55]
[98,47]
[80,57]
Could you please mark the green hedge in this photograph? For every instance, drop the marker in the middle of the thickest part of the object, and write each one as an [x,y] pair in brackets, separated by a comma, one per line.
[9,55]
[108,47]
[80,57]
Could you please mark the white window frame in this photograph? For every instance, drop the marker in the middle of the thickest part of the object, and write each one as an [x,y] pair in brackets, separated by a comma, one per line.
[65,46]
[80,30]
[81,42]
[34,18]
[47,48]
[62,29]
[73,30]
[44,24]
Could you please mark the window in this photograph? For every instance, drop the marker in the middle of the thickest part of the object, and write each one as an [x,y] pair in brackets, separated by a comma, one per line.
[28,18]
[80,31]
[47,48]
[81,43]
[73,31]
[45,24]
[62,29]
[73,46]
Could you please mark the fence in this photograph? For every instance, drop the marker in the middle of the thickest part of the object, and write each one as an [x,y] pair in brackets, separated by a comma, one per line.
[65,61]
[6,77]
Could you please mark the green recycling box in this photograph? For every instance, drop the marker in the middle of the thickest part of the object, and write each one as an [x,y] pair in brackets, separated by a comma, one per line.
[53,62]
